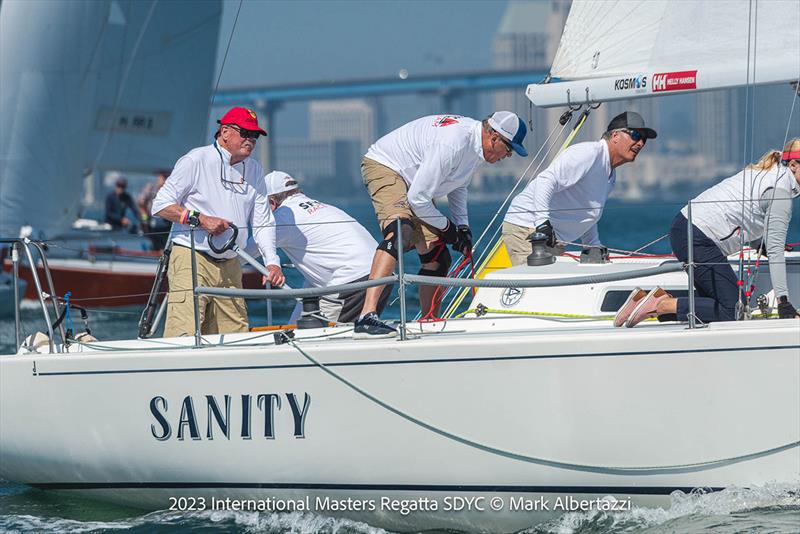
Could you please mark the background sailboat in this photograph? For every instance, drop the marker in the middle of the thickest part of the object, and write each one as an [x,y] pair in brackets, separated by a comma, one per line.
[88,87]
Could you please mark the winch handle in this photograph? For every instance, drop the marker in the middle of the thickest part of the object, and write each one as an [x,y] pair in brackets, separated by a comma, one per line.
[228,244]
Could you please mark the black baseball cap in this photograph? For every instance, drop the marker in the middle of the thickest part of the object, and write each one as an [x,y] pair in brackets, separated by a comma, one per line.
[633,121]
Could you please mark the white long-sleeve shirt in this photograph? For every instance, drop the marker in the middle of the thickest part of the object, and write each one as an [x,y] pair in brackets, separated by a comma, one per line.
[325,244]
[756,203]
[571,193]
[436,156]
[204,180]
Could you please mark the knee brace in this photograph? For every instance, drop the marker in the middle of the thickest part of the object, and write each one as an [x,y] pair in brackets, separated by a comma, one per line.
[441,256]
[389,243]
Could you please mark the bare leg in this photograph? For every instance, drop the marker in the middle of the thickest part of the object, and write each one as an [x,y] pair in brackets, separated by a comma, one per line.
[382,265]
[667,306]
[426,293]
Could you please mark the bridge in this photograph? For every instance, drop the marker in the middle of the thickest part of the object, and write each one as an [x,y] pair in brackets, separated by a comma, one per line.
[448,86]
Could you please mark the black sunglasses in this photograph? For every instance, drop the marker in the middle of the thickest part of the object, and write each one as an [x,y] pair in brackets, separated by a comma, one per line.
[246,134]
[635,135]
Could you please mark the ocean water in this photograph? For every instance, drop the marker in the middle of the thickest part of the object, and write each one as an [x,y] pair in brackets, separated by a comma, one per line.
[625,226]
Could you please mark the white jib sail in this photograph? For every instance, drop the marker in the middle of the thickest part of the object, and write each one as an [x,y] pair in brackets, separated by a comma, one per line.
[619,49]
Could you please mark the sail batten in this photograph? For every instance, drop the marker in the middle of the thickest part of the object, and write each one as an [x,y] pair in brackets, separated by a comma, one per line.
[651,47]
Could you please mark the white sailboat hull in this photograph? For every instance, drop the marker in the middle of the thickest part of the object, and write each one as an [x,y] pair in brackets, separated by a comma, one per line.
[495,405]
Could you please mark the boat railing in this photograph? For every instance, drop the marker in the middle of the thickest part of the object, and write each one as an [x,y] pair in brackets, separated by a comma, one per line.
[402,279]
[25,245]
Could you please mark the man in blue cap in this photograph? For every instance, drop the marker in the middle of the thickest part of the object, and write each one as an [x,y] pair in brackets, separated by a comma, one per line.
[566,200]
[404,172]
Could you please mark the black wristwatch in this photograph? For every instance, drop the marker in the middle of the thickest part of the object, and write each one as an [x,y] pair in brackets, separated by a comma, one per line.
[194,218]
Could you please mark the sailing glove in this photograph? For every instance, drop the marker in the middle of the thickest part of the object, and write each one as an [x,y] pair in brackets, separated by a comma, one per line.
[449,234]
[547,229]
[463,242]
[785,308]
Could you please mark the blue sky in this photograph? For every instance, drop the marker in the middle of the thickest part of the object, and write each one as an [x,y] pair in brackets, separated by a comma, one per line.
[277,42]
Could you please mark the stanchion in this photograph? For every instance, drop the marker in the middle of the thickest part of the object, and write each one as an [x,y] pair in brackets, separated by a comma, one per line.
[690,259]
[195,296]
[402,281]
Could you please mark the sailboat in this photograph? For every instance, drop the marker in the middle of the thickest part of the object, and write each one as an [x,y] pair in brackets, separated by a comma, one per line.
[106,90]
[488,422]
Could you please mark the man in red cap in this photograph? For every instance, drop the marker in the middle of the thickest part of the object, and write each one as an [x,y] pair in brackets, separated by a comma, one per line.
[209,188]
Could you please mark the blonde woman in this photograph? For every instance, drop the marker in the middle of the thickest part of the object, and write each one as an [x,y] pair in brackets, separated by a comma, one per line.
[719,216]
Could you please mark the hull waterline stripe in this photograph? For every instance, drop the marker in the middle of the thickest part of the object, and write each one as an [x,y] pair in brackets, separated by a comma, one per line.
[406,362]
[606,490]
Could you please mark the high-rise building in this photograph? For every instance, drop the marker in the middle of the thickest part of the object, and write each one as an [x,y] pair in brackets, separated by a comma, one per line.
[323,167]
[527,38]
[523,41]
[720,124]
[342,120]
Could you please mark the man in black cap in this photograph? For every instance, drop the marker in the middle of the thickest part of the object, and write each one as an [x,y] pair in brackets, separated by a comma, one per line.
[118,202]
[566,200]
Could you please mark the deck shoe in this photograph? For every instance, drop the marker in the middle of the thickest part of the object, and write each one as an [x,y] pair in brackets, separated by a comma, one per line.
[625,311]
[647,307]
[371,327]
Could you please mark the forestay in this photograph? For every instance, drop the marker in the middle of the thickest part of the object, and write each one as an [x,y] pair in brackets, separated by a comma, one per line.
[622,49]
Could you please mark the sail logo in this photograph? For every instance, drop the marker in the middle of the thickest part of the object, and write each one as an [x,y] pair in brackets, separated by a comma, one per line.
[633,82]
[674,81]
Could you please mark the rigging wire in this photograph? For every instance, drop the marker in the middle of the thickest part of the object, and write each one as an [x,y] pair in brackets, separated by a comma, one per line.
[488,252]
[225,58]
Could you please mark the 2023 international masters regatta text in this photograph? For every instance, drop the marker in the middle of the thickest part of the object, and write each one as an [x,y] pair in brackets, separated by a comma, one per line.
[447,503]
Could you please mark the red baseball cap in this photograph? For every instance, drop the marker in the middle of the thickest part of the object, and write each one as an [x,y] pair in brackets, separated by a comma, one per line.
[243,118]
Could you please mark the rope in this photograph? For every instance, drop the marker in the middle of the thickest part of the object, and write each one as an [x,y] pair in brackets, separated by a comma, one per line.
[604,469]
[482,310]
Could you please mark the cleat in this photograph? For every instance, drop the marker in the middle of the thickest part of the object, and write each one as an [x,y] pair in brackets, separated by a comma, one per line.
[371,327]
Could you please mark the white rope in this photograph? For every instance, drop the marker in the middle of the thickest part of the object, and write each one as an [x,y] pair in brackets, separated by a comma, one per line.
[604,469]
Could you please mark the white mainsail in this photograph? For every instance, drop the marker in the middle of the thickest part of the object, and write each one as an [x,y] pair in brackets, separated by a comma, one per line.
[621,49]
[84,85]
[155,76]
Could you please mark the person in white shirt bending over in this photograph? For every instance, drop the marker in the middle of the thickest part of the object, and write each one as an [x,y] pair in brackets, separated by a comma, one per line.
[325,244]
[405,170]
[566,200]
[754,204]
[209,188]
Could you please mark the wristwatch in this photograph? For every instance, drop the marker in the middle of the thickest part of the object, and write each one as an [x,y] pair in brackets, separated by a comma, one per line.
[193,219]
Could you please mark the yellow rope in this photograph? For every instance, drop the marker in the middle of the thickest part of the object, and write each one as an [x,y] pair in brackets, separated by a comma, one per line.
[484,310]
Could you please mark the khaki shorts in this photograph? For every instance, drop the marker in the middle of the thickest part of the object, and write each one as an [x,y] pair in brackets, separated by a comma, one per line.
[518,247]
[218,315]
[389,194]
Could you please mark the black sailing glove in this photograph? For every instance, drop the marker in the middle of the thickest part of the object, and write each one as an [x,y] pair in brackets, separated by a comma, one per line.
[785,308]
[449,234]
[547,229]
[463,242]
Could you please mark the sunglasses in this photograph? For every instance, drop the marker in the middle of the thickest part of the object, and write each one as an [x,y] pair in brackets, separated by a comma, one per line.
[635,135]
[506,143]
[246,134]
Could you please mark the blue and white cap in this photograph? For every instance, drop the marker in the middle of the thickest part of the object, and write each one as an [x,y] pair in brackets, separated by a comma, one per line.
[510,126]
